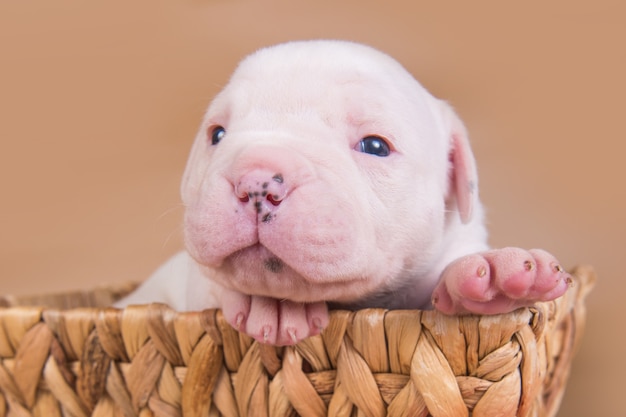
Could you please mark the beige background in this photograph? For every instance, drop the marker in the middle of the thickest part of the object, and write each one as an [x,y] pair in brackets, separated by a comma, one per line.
[99,102]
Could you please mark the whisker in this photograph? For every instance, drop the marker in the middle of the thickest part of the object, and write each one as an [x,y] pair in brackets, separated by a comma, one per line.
[171,210]
[178,229]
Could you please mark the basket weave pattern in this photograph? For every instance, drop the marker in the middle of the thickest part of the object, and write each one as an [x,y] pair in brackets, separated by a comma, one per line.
[150,360]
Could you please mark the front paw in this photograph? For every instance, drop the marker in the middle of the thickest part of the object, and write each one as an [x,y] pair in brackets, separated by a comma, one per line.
[272,321]
[499,281]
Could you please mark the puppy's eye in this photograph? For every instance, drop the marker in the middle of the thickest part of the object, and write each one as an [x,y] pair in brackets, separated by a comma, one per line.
[217,134]
[373,145]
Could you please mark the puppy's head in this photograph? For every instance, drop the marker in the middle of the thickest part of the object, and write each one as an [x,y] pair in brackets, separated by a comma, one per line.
[324,172]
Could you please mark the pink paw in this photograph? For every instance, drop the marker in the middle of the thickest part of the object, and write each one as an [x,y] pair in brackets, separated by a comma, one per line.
[499,281]
[272,321]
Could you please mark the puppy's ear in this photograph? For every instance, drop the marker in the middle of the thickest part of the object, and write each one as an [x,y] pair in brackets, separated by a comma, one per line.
[463,175]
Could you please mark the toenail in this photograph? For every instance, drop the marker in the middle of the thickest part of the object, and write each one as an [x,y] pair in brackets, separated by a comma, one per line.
[434,300]
[239,321]
[569,281]
[266,334]
[317,323]
[292,335]
[558,268]
[482,271]
[529,266]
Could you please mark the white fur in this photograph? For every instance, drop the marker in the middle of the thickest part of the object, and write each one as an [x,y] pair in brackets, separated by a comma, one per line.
[351,229]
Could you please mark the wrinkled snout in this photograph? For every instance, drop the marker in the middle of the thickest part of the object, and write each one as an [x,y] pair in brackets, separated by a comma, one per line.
[261,191]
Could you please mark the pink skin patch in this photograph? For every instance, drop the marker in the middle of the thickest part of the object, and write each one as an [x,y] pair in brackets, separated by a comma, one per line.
[272,321]
[499,281]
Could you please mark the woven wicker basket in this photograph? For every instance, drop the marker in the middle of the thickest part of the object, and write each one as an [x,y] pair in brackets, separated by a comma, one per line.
[75,357]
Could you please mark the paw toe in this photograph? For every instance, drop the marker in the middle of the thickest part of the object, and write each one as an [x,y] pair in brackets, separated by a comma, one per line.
[292,323]
[514,271]
[467,278]
[236,309]
[550,279]
[317,317]
[262,323]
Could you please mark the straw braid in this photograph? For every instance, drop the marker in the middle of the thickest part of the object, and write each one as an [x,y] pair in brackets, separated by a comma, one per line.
[152,361]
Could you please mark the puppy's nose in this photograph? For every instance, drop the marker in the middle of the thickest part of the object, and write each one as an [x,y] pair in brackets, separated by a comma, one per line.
[263,190]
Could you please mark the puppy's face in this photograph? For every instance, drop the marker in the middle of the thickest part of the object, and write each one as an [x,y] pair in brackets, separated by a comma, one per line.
[320,173]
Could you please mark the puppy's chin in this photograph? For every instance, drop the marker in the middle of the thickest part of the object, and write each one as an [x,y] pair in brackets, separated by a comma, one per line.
[258,261]
[255,270]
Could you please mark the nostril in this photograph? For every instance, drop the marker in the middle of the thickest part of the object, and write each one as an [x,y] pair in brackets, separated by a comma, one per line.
[244,197]
[274,199]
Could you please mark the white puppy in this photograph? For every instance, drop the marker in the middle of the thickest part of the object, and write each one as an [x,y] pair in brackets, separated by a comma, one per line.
[325,174]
